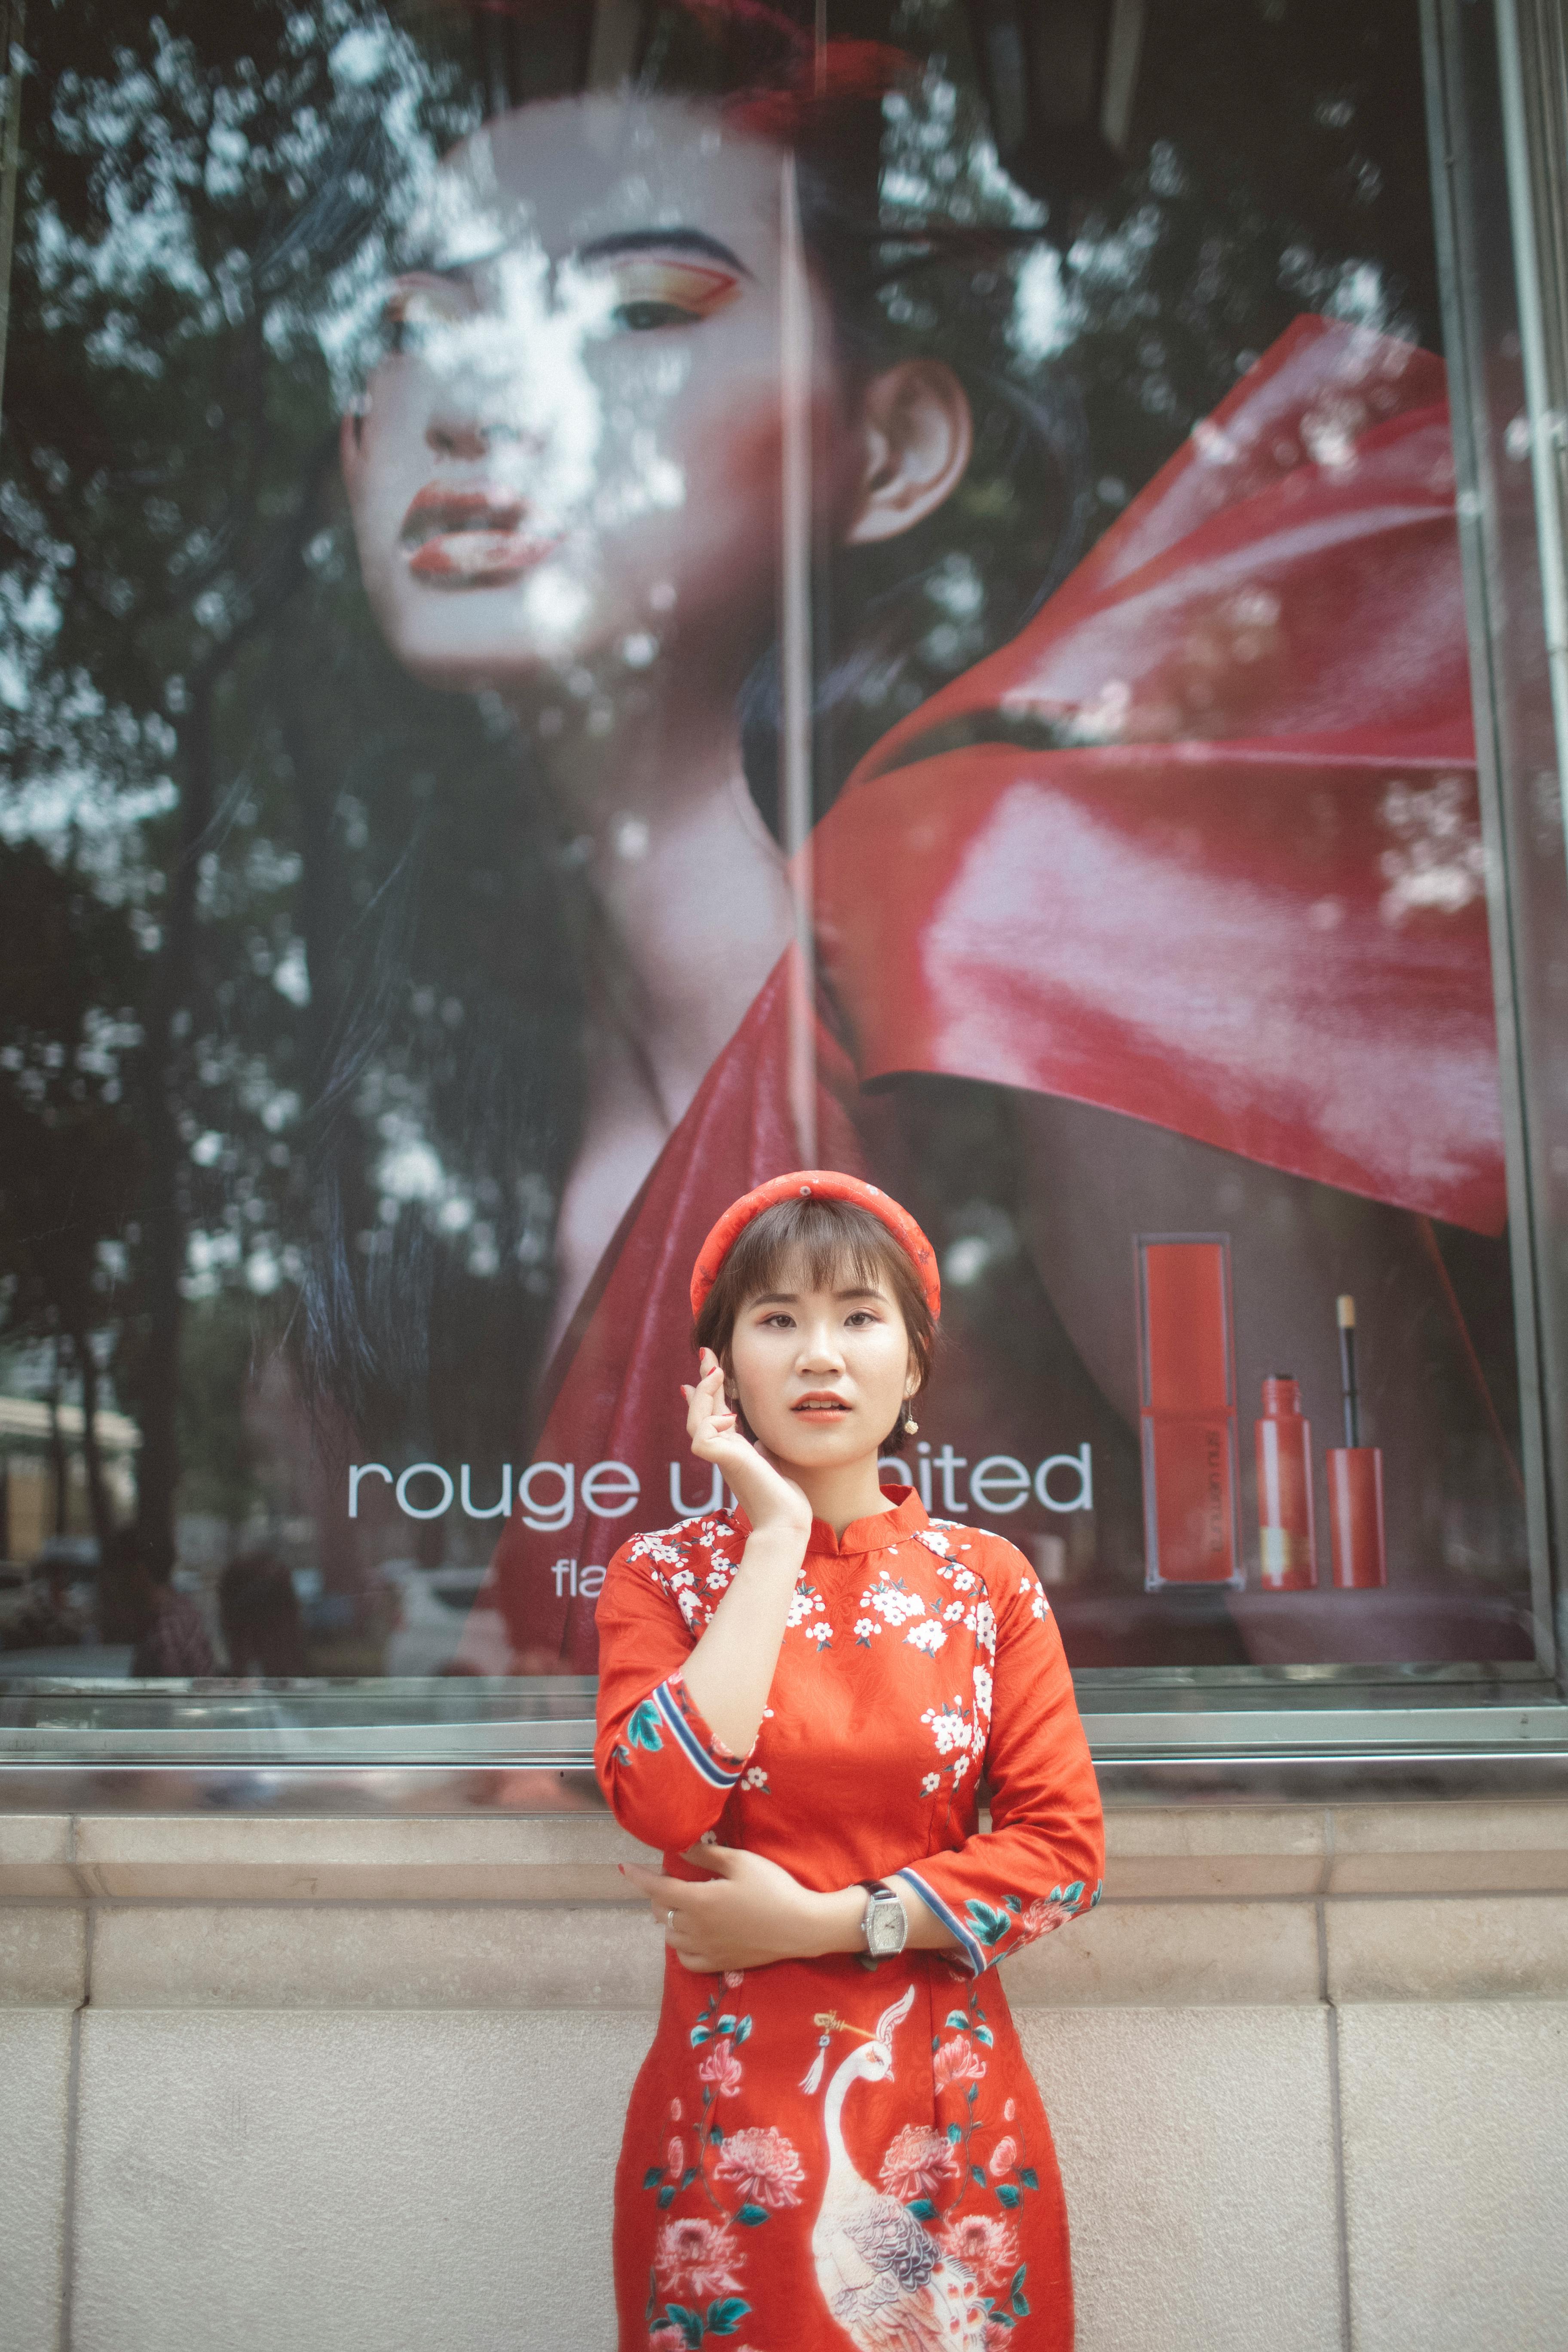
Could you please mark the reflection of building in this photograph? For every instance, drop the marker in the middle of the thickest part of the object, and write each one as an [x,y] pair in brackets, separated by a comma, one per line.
[43,1472]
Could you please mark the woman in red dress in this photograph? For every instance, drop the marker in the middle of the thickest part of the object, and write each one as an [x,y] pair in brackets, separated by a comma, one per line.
[835,2140]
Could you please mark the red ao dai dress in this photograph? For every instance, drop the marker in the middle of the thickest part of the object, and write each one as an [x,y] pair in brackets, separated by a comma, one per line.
[827,2154]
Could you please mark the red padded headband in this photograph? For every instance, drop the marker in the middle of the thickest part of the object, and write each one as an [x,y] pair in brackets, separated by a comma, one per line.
[822,1184]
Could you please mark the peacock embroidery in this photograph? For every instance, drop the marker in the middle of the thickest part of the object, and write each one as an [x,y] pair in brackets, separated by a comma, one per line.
[882,2275]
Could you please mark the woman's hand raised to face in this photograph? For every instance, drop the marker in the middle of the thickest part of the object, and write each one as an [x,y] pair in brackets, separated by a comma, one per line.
[772,1502]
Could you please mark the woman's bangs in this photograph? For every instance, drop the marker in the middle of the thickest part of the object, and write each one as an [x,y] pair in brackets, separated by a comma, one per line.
[815,1245]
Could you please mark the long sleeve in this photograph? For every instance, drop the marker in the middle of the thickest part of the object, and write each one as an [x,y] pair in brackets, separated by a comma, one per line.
[666,1774]
[1041,1861]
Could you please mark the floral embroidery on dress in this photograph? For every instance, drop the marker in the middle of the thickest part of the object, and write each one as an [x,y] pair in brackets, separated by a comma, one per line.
[1044,1913]
[697,2257]
[671,1553]
[982,1680]
[747,2176]
[761,2165]
[1028,1586]
[807,1604]
[891,1600]
[986,2245]
[920,2161]
[955,1735]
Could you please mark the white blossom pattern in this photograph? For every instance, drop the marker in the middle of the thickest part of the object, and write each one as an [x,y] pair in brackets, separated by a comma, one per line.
[890,1599]
[695,1564]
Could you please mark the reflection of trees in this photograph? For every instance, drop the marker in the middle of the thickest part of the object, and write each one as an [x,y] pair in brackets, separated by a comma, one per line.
[167,508]
[67,1146]
[214,769]
[1286,170]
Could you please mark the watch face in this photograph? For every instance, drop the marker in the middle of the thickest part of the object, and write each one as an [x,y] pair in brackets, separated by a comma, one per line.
[882,1935]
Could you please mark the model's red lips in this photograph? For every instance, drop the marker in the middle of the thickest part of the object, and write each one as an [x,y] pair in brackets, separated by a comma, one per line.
[471,538]
[821,1400]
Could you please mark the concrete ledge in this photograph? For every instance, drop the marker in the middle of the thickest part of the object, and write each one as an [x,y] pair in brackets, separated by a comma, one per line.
[1520,1846]
[1197,1852]
[519,1858]
[43,1957]
[1177,1854]
[328,1956]
[1176,1955]
[1432,1950]
[35,1855]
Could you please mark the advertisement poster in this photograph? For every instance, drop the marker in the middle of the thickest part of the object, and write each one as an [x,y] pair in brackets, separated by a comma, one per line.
[604,602]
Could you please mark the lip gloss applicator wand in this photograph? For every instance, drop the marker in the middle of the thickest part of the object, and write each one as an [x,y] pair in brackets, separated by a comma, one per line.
[1355,1481]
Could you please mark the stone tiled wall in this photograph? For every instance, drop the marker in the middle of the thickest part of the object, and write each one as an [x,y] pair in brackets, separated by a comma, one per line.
[272,2084]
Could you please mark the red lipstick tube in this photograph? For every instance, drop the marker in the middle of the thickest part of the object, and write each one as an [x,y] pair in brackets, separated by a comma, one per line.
[1355,1481]
[1188,1374]
[1288,1551]
[1355,1516]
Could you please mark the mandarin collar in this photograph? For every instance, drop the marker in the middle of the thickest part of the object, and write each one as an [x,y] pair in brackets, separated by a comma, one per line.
[905,1516]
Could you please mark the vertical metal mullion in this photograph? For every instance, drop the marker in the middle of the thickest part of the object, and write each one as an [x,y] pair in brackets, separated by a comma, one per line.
[795,653]
[1532,57]
[1454,209]
[1531,47]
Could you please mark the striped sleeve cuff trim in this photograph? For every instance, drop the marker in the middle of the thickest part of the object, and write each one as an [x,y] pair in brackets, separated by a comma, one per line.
[973,1951]
[685,1739]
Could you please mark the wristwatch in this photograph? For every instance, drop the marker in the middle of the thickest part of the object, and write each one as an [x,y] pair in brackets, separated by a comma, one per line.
[886,1924]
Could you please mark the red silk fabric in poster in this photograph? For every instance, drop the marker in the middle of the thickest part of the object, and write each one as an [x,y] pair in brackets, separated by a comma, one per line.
[1200,847]
[1253,911]
[847,2147]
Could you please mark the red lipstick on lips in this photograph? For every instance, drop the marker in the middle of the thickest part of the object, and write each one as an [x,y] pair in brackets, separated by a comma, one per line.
[473,538]
[819,1399]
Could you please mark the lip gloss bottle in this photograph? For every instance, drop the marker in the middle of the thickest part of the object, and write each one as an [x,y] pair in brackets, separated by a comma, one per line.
[1288,1551]
[1355,1483]
[1188,1374]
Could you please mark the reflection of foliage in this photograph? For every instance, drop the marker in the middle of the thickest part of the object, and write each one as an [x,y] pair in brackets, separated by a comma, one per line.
[67,1147]
[200,192]
[1286,170]
[218,1342]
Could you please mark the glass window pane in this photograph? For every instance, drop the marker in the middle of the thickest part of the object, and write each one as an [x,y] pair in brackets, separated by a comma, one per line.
[605,603]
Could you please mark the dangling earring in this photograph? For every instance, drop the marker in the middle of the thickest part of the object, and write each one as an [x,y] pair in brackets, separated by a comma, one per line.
[910,1424]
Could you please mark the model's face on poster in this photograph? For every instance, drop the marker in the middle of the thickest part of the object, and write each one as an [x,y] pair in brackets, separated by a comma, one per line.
[570,454]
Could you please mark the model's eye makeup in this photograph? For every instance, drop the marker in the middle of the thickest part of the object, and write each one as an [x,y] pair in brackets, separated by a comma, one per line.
[419,308]
[646,291]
